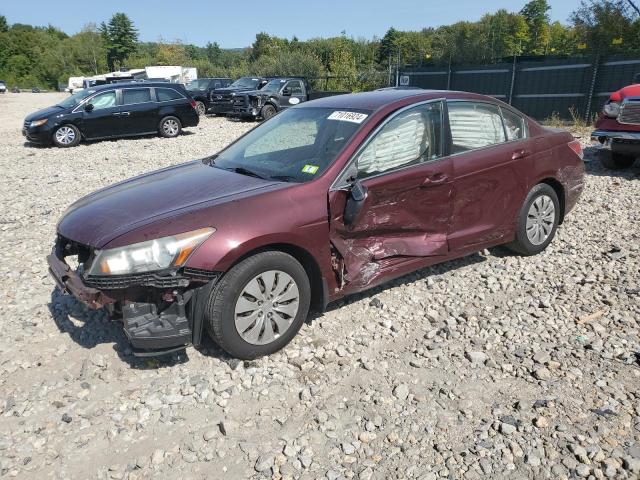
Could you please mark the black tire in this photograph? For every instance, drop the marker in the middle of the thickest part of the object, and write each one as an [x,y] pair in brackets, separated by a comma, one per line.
[201,108]
[220,311]
[170,127]
[268,111]
[66,136]
[522,244]
[614,160]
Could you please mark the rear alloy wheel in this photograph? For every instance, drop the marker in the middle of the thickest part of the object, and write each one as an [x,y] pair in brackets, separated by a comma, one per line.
[66,136]
[615,161]
[200,108]
[538,221]
[170,127]
[267,112]
[259,305]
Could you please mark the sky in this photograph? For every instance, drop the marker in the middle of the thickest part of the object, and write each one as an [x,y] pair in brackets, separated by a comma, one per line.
[234,24]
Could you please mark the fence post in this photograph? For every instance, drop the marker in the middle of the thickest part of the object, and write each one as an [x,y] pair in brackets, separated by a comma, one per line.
[592,87]
[449,73]
[513,79]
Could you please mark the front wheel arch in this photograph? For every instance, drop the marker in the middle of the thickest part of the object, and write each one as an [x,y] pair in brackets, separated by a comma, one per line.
[319,290]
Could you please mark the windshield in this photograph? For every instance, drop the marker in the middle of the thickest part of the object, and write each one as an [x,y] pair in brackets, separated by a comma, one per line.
[296,145]
[198,85]
[246,82]
[76,98]
[273,86]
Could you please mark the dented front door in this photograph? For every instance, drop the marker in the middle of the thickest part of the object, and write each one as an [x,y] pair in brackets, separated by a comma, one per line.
[408,207]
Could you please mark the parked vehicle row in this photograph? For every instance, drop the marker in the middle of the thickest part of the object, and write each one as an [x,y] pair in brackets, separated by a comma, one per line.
[325,199]
[114,110]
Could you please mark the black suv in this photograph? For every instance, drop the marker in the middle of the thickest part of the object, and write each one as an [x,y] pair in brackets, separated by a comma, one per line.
[116,110]
[200,90]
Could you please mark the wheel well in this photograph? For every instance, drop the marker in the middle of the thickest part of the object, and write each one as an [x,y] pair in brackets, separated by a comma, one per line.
[559,189]
[308,263]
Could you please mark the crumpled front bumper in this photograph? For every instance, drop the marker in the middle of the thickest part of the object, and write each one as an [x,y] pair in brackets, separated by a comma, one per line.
[605,138]
[70,282]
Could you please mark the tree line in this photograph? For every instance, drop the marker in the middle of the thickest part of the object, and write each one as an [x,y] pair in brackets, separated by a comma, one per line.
[46,56]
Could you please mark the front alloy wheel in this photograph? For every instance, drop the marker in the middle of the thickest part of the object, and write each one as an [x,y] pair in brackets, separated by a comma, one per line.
[66,136]
[200,108]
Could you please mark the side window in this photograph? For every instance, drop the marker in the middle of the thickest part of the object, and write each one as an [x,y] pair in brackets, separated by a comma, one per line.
[104,100]
[135,95]
[513,124]
[216,84]
[474,125]
[295,86]
[412,137]
[167,94]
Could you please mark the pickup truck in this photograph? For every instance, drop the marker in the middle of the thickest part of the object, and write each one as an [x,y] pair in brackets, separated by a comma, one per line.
[200,90]
[280,93]
[617,133]
[221,99]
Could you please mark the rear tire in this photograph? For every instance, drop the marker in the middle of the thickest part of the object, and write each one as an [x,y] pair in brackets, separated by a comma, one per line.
[201,108]
[267,112]
[170,127]
[615,161]
[66,136]
[537,222]
[259,305]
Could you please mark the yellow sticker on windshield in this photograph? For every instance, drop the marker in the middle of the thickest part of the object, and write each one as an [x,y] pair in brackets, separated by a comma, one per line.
[310,169]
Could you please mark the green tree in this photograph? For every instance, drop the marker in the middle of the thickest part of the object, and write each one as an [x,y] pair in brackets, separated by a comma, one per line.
[213,52]
[607,25]
[121,38]
[536,15]
[4,26]
[343,66]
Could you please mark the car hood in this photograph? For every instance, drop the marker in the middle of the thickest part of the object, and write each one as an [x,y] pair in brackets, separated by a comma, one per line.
[102,216]
[44,113]
[222,91]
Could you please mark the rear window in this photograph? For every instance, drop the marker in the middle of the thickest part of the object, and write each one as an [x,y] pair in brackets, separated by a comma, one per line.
[167,94]
[474,125]
[135,95]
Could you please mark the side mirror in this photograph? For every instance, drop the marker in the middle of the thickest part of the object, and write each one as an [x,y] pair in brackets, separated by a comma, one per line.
[286,92]
[355,202]
[88,107]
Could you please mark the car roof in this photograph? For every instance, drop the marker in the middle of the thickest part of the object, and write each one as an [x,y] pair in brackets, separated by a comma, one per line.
[99,88]
[381,98]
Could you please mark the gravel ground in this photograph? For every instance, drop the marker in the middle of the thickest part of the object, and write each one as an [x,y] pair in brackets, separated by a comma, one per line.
[491,366]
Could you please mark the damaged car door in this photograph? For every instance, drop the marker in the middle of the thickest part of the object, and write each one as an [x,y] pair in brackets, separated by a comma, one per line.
[393,201]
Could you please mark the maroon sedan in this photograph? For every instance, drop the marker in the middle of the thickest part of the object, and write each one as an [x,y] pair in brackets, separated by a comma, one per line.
[325,199]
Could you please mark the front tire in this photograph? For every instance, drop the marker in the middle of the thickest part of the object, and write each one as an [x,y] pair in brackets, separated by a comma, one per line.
[268,111]
[614,160]
[259,305]
[537,222]
[170,127]
[201,108]
[66,136]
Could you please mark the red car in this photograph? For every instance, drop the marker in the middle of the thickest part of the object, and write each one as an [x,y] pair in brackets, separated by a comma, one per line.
[323,200]
[617,131]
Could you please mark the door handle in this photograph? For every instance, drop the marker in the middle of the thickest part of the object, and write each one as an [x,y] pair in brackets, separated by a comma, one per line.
[117,114]
[435,179]
[125,114]
[520,154]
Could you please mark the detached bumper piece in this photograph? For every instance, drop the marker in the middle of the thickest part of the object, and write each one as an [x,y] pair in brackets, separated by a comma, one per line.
[153,333]
[68,281]
[623,142]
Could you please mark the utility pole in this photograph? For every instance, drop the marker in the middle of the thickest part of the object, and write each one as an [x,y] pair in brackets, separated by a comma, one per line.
[398,68]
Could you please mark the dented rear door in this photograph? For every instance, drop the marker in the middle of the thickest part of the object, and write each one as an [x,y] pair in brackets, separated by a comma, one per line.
[408,207]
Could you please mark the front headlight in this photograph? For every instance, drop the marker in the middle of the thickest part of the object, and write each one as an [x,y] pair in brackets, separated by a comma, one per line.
[37,123]
[612,109]
[150,255]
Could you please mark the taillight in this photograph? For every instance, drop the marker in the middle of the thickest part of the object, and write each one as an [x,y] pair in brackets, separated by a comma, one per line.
[193,103]
[577,148]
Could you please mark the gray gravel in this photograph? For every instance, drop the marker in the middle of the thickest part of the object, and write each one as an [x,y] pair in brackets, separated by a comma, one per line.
[492,366]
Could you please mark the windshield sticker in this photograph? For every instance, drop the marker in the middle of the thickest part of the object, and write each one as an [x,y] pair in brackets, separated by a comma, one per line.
[310,169]
[354,117]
